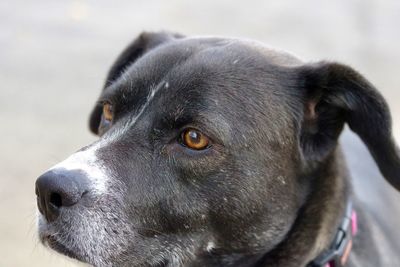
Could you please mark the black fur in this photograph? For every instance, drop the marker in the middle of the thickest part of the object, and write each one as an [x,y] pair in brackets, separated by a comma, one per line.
[272,188]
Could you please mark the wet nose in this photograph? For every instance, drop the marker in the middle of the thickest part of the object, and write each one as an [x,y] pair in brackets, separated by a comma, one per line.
[59,188]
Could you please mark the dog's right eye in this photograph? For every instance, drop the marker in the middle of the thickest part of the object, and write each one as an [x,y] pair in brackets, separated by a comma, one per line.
[108,111]
[194,139]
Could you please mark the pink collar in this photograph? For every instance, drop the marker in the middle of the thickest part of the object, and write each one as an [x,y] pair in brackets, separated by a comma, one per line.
[338,252]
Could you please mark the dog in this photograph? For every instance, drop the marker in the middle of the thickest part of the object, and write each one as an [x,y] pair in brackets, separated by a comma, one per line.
[222,152]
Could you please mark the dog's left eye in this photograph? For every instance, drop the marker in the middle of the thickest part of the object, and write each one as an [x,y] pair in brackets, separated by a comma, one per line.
[194,139]
[108,111]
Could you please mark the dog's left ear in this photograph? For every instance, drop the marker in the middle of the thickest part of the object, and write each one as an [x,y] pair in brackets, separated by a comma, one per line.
[336,94]
[139,46]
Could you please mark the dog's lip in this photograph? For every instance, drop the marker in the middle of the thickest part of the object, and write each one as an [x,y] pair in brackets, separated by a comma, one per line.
[163,263]
[56,245]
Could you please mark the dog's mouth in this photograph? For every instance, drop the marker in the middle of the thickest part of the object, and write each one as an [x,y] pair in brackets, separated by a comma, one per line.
[163,263]
[56,245]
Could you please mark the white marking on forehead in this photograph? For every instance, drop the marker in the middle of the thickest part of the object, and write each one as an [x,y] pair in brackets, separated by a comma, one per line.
[122,129]
[210,246]
[150,97]
[87,162]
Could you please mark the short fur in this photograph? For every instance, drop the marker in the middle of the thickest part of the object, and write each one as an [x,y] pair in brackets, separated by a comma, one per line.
[272,188]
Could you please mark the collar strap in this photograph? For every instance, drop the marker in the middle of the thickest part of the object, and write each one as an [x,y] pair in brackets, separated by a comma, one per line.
[338,252]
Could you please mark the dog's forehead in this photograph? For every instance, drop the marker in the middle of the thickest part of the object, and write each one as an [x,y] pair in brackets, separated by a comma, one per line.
[186,58]
[244,47]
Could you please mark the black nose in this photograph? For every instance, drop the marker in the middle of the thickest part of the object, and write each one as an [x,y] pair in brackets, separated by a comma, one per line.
[59,188]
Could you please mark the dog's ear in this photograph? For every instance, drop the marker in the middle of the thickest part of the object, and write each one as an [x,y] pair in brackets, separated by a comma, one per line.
[336,94]
[141,45]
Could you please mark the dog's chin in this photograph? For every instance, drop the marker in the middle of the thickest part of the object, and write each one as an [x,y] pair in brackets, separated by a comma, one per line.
[91,252]
[51,242]
[57,246]
[48,239]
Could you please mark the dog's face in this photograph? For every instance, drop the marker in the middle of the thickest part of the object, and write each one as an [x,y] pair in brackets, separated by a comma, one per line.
[204,144]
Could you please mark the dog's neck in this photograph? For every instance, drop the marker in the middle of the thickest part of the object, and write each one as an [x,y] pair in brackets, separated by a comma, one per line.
[318,219]
[316,224]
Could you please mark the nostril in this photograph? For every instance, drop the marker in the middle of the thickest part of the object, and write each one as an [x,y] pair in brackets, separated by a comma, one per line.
[84,193]
[56,200]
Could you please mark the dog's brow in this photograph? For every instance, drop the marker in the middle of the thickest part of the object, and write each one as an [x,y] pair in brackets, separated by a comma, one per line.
[150,97]
[131,122]
[217,124]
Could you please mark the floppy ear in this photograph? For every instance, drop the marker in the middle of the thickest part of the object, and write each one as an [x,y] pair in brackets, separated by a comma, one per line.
[141,45]
[337,94]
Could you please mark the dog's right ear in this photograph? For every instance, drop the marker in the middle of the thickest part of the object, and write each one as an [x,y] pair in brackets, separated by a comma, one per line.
[141,45]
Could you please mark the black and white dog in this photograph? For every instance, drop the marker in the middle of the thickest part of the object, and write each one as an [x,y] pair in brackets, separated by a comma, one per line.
[221,152]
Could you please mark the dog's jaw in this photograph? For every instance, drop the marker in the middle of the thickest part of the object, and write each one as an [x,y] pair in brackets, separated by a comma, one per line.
[88,233]
[81,231]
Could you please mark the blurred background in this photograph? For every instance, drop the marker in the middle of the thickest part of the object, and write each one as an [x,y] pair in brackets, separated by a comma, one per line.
[54,56]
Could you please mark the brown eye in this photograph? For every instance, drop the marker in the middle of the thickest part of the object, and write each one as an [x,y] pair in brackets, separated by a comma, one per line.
[108,111]
[195,140]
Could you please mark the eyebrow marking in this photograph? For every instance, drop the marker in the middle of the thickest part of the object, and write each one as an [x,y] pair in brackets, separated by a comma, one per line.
[119,131]
[150,97]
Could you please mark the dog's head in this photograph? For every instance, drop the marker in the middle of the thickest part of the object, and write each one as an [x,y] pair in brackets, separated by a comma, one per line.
[205,145]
